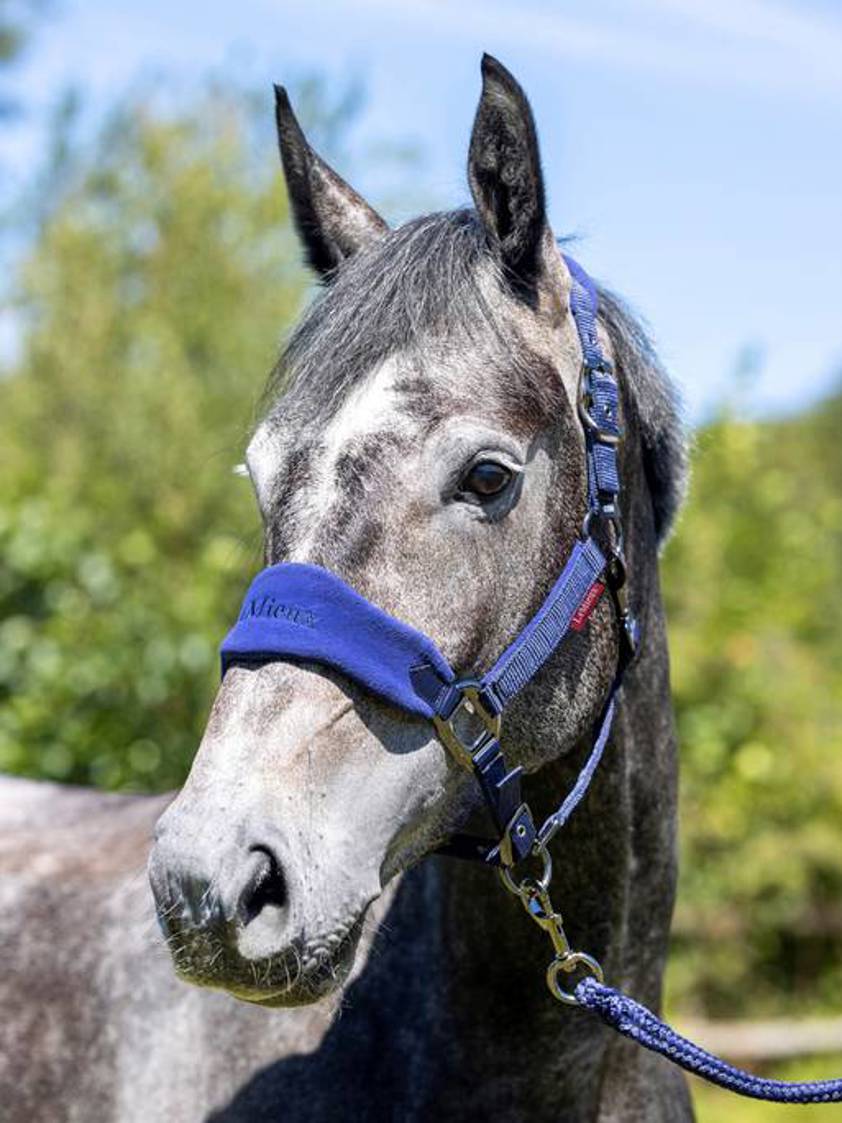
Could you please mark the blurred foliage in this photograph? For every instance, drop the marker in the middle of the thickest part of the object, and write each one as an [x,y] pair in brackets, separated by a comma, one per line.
[161,275]
[752,585]
[151,303]
[17,19]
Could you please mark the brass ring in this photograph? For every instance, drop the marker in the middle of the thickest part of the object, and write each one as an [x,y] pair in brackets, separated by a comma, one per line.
[569,963]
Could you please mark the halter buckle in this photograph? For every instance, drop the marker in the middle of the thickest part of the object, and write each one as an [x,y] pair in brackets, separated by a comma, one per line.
[470,725]
[608,513]
[585,404]
[615,573]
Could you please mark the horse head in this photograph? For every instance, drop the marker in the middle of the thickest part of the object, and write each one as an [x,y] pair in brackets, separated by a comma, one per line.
[422,444]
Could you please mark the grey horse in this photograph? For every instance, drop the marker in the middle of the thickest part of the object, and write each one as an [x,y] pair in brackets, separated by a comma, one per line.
[422,442]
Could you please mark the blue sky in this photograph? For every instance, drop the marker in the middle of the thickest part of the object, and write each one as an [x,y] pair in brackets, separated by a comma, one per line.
[692,145]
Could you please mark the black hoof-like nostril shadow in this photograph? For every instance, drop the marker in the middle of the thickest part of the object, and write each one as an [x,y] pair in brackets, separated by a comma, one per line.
[265,887]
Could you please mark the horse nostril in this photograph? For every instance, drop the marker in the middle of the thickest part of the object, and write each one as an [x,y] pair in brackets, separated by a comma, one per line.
[266,887]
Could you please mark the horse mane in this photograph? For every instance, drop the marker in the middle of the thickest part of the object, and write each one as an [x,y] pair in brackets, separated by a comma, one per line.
[657,404]
[435,274]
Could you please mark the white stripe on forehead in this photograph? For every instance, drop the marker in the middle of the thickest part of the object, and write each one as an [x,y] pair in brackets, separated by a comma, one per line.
[370,406]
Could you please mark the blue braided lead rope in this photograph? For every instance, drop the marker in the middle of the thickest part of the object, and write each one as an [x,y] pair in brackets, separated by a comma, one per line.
[639,1024]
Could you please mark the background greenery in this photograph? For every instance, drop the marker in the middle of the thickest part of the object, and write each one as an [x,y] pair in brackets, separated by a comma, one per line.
[159,278]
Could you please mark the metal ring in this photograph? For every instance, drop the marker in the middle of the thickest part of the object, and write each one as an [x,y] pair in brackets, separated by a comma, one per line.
[613,520]
[569,963]
[542,882]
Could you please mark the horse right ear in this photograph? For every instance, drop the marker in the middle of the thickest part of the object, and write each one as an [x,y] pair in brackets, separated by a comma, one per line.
[332,220]
[504,173]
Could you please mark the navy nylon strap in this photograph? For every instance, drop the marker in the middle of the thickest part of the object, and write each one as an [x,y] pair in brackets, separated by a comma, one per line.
[525,656]
[584,304]
[599,388]
[577,793]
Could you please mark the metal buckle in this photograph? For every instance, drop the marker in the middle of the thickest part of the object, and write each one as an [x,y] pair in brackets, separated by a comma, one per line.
[524,888]
[610,515]
[584,403]
[469,711]
[615,574]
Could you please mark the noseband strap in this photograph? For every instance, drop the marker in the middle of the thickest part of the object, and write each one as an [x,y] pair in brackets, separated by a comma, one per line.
[304,612]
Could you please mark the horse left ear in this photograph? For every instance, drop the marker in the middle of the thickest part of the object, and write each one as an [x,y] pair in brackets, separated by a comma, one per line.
[332,220]
[504,173]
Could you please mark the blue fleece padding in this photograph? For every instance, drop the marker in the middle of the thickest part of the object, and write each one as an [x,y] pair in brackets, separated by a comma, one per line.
[304,612]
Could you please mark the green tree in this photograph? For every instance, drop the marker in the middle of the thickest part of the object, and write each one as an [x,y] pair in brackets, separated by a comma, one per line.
[752,585]
[162,276]
[151,308]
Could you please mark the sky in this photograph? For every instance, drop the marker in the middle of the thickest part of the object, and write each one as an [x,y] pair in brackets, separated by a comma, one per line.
[692,147]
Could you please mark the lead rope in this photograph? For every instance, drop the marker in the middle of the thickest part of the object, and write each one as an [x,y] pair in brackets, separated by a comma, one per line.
[639,1024]
[482,702]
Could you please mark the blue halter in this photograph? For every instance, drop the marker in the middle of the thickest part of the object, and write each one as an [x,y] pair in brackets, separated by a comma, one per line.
[305,612]
[294,611]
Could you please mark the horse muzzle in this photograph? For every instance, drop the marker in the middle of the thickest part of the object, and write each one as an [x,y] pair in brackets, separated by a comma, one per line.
[240,917]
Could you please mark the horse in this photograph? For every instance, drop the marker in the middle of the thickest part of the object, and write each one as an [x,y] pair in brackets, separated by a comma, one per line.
[422,441]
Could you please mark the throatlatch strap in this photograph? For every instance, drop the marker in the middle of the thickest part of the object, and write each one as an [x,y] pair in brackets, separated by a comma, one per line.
[583,781]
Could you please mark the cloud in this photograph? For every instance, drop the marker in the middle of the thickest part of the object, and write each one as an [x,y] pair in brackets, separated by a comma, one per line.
[795,29]
[757,45]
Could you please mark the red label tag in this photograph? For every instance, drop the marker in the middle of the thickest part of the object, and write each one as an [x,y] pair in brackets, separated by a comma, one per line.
[580,617]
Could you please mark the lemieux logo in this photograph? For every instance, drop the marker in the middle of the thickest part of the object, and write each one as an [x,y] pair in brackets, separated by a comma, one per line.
[268,606]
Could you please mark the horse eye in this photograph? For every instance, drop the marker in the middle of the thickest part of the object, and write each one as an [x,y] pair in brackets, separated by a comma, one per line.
[486,479]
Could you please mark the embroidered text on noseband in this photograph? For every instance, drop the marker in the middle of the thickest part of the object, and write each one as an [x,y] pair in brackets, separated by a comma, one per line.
[268,606]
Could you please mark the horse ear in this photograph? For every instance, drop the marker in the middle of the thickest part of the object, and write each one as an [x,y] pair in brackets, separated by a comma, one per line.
[504,173]
[332,220]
